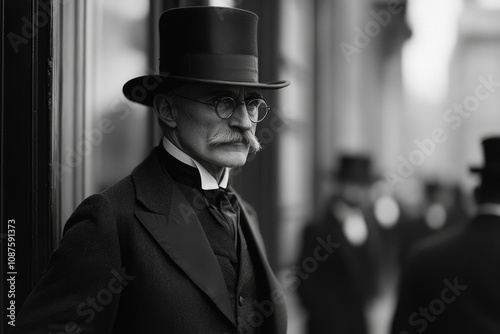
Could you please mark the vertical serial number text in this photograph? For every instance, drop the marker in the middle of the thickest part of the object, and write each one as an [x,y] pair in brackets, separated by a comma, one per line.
[11,271]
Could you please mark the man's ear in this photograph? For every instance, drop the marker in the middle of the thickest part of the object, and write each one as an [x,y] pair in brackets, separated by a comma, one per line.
[164,110]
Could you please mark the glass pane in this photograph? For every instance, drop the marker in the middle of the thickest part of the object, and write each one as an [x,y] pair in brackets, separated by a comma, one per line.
[99,136]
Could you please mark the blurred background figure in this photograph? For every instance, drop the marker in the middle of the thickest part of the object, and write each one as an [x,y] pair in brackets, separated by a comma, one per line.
[441,208]
[336,295]
[444,207]
[386,211]
[450,282]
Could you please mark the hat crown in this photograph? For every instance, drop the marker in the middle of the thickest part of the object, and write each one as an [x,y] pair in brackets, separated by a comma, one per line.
[491,148]
[208,30]
[216,43]
[354,168]
[205,45]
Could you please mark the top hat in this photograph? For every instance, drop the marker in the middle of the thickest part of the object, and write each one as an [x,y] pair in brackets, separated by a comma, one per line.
[355,169]
[491,147]
[216,45]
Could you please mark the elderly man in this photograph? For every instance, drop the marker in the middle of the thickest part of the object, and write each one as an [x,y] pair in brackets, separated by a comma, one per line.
[451,282]
[172,249]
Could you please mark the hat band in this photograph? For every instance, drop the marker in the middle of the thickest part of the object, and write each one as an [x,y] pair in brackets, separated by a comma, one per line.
[224,67]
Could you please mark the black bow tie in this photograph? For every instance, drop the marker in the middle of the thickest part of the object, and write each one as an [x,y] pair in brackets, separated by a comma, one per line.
[224,206]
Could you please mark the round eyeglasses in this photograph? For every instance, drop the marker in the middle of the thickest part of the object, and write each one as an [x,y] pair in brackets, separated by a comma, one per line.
[257,108]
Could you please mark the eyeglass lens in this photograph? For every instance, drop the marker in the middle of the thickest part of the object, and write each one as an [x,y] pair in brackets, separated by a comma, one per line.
[257,108]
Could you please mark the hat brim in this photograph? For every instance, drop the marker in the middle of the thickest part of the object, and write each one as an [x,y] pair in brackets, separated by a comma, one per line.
[143,89]
[365,179]
[485,170]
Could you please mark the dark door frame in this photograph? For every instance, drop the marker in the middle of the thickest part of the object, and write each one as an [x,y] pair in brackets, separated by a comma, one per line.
[25,149]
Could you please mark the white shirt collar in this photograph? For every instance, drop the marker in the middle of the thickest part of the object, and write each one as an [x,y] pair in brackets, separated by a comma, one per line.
[208,182]
[489,209]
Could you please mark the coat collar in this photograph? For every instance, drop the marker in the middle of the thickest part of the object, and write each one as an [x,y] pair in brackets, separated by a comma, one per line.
[153,188]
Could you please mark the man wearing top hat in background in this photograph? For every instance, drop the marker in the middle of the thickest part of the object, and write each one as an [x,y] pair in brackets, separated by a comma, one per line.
[336,294]
[172,248]
[451,281]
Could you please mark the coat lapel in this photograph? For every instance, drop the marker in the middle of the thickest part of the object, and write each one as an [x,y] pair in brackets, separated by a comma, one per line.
[253,237]
[173,224]
[250,227]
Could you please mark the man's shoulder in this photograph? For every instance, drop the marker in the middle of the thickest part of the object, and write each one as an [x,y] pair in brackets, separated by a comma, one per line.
[120,196]
[120,191]
[105,205]
[440,245]
[461,249]
[476,233]
[116,201]
[123,194]
[442,239]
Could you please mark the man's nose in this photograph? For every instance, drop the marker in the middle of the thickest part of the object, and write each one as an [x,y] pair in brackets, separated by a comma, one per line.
[240,117]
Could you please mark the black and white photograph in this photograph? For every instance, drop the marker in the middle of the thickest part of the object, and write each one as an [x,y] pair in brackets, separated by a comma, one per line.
[250,167]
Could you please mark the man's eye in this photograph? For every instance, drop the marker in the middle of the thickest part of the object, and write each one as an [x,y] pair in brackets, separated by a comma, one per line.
[226,102]
[256,102]
[253,103]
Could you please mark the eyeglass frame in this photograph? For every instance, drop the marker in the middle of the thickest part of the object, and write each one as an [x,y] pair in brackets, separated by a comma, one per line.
[236,105]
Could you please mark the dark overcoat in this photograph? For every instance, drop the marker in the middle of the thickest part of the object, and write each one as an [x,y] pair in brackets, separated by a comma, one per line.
[335,293]
[451,283]
[135,259]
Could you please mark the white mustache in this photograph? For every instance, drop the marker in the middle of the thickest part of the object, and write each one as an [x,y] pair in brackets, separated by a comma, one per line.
[235,137]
